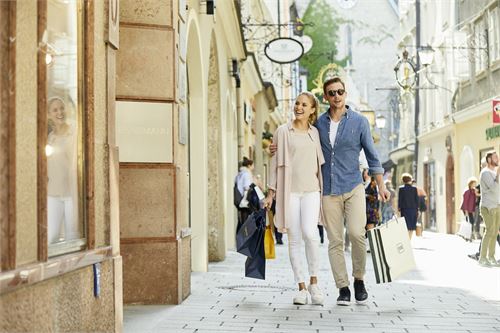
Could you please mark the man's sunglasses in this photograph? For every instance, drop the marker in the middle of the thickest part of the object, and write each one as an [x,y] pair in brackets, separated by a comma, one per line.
[332,92]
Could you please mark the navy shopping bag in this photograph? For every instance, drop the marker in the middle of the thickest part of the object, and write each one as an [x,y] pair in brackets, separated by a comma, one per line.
[255,266]
[250,232]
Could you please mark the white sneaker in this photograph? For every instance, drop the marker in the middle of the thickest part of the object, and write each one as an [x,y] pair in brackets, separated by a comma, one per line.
[484,262]
[301,297]
[316,294]
[493,262]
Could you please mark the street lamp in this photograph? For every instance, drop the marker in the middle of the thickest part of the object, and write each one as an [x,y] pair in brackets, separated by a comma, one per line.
[380,121]
[426,54]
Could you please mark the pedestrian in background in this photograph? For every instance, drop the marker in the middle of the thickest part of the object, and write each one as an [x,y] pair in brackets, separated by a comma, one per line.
[469,202]
[388,209]
[243,180]
[477,214]
[408,203]
[422,206]
[296,182]
[372,201]
[490,210]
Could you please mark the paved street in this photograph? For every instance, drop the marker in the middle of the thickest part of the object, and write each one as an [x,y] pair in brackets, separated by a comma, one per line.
[447,293]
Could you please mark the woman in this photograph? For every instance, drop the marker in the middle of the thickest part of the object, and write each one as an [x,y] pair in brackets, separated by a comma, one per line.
[408,203]
[61,172]
[372,201]
[295,181]
[244,179]
[468,206]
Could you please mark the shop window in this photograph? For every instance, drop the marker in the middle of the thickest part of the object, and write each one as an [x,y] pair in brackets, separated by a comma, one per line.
[64,149]
[478,42]
[494,34]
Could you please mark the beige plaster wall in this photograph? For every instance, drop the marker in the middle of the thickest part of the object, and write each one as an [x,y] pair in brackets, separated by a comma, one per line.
[147,11]
[144,283]
[63,304]
[146,203]
[26,132]
[216,243]
[145,63]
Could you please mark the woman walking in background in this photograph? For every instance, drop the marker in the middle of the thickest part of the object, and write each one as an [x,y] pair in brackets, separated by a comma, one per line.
[468,206]
[408,203]
[296,183]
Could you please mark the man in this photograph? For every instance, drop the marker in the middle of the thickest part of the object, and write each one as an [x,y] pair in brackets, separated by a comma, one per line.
[490,210]
[343,133]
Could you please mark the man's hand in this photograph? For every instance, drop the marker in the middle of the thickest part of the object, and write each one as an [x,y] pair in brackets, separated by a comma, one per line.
[273,148]
[384,194]
[382,191]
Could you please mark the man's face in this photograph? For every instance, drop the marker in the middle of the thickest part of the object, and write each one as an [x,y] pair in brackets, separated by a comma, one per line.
[335,95]
[494,160]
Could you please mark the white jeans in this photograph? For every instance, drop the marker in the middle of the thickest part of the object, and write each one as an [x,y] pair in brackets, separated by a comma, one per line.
[59,210]
[303,225]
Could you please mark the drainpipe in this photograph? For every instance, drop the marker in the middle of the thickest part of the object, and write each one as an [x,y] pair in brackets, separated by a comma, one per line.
[239,117]
[239,109]
[417,90]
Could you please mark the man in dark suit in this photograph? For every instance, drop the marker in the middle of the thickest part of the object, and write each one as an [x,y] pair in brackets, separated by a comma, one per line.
[408,203]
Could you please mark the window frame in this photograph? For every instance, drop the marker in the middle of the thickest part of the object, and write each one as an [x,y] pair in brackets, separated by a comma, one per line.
[86,126]
[494,34]
[7,141]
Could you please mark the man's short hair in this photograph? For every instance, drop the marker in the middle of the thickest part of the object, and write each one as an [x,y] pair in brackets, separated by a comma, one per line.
[489,155]
[332,80]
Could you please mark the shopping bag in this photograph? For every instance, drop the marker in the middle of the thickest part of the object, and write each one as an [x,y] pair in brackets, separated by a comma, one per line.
[465,230]
[249,233]
[269,243]
[255,266]
[391,250]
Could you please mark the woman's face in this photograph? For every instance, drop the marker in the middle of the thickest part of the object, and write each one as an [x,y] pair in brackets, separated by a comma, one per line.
[303,107]
[57,112]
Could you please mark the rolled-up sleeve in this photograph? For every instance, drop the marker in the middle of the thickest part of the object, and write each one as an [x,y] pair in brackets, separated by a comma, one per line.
[273,177]
[374,165]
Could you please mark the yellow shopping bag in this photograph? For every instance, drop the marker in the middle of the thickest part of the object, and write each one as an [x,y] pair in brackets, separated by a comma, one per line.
[268,238]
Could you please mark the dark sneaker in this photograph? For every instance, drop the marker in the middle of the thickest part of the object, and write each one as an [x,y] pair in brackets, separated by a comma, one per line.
[360,292]
[344,296]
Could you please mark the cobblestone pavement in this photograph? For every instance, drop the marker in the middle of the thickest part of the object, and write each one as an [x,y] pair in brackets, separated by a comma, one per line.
[448,292]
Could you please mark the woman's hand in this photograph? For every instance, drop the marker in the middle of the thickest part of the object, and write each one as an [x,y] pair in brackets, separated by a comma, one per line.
[268,201]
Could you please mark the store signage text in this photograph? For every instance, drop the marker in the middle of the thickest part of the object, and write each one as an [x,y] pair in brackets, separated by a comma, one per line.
[492,132]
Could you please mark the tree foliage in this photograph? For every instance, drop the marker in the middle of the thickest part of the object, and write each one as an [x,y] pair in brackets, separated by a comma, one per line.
[324,34]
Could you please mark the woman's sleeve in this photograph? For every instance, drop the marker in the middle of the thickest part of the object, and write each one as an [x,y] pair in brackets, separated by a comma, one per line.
[273,168]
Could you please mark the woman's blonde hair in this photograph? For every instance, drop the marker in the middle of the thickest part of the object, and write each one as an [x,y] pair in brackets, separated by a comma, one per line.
[315,105]
[406,178]
[470,181]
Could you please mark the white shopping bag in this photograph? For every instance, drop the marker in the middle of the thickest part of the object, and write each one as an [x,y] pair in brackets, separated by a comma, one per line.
[391,250]
[465,230]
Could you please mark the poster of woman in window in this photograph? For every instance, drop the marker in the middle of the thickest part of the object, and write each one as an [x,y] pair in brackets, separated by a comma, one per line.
[63,45]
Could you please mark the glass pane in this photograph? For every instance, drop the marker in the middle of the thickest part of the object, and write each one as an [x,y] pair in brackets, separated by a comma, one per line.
[64,109]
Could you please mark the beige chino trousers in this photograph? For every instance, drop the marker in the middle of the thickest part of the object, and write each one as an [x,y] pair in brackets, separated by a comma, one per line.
[352,207]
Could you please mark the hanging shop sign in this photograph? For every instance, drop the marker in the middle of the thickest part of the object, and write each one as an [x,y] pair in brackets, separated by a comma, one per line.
[284,50]
[496,111]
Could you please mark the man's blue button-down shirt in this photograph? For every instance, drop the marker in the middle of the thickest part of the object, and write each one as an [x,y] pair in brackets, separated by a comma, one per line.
[341,172]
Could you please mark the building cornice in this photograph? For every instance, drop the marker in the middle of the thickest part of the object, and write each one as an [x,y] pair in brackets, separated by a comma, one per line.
[228,15]
[474,111]
[436,132]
